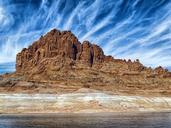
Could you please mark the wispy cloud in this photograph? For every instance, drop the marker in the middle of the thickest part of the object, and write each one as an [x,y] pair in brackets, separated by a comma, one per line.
[124,28]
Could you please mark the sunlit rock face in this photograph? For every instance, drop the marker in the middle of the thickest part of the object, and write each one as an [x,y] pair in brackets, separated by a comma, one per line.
[59,57]
[62,47]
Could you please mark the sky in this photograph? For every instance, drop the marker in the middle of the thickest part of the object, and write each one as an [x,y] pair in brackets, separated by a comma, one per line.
[127,29]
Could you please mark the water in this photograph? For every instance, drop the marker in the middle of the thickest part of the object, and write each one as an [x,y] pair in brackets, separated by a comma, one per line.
[152,120]
[7,68]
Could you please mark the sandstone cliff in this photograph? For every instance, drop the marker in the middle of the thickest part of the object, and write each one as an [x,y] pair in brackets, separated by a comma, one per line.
[63,46]
[58,57]
[58,51]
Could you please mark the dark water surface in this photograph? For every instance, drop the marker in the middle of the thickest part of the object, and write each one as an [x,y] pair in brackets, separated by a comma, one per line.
[153,120]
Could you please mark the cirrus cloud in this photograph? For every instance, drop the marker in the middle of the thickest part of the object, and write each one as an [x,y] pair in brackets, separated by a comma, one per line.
[124,28]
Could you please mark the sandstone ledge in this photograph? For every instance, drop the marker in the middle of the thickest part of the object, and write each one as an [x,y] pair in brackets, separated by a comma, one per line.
[80,102]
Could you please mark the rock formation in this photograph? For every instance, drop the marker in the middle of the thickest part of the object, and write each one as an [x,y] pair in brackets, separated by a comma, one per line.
[59,57]
[62,50]
[62,45]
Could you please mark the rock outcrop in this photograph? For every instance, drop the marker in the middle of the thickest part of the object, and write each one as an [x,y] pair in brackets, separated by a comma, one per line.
[58,44]
[59,58]
[61,51]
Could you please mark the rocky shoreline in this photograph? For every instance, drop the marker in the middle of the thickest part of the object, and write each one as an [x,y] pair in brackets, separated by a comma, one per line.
[81,102]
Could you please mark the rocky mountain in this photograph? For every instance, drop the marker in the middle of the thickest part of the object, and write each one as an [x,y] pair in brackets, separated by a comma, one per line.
[63,46]
[59,58]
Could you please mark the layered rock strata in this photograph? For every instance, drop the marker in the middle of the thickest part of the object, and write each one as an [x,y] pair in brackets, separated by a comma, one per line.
[59,58]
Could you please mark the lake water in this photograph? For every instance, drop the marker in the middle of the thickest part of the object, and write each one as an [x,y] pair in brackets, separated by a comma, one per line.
[7,68]
[152,120]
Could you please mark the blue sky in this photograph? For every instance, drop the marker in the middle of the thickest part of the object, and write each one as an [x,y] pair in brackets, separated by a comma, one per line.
[123,28]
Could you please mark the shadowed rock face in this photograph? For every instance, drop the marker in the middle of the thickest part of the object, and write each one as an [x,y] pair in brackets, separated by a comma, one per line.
[59,57]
